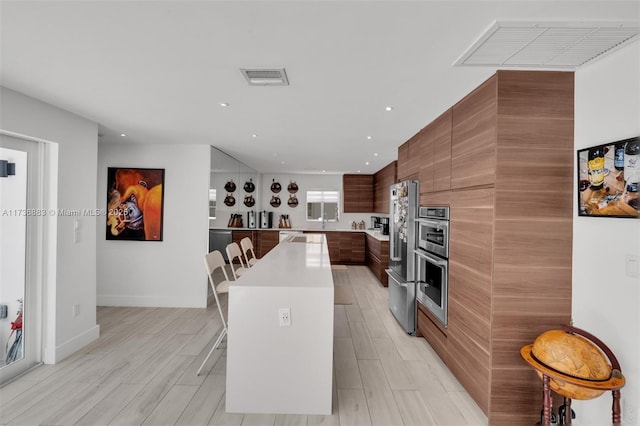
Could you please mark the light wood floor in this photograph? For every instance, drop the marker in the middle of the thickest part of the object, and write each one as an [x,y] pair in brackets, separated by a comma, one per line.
[142,371]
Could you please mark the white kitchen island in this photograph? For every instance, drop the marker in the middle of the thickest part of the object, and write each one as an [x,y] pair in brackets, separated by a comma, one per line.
[278,369]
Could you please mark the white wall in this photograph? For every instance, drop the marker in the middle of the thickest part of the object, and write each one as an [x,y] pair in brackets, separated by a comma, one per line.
[72,266]
[168,273]
[606,302]
[297,215]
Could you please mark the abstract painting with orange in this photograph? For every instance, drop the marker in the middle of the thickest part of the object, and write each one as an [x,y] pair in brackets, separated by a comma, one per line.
[134,204]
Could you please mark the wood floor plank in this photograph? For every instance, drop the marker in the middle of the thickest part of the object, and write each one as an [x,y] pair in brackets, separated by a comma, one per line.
[146,400]
[374,325]
[468,407]
[157,361]
[353,408]
[222,418]
[382,405]
[110,406]
[413,409]
[345,364]
[259,420]
[398,375]
[171,406]
[362,343]
[291,420]
[37,395]
[203,405]
[36,414]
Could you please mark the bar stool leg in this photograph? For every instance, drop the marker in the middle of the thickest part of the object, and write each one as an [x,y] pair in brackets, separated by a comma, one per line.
[546,401]
[615,409]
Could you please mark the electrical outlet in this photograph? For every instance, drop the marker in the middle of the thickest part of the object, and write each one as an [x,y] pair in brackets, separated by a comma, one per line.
[284,317]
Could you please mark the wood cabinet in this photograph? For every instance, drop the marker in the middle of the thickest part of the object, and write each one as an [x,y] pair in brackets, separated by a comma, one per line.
[357,193]
[473,143]
[426,172]
[266,240]
[510,240]
[403,161]
[377,258]
[344,247]
[238,235]
[382,180]
[442,128]
[410,158]
[431,329]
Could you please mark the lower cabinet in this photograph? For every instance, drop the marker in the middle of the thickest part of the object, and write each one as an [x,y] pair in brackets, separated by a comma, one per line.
[266,241]
[432,331]
[377,258]
[344,247]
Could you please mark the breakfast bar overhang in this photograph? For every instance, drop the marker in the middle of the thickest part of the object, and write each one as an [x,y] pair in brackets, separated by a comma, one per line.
[274,368]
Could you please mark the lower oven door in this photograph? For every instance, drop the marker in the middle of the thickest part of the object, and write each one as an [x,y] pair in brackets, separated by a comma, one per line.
[402,301]
[432,282]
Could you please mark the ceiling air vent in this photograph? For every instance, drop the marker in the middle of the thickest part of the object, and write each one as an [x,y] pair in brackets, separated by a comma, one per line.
[266,77]
[547,44]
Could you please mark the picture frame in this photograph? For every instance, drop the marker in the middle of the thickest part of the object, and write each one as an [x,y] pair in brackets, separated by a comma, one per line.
[608,177]
[135,204]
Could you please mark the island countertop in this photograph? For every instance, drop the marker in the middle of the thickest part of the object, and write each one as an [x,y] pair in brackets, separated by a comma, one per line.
[276,366]
[302,260]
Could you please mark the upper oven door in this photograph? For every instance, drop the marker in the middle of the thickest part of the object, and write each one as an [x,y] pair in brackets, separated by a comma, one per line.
[433,236]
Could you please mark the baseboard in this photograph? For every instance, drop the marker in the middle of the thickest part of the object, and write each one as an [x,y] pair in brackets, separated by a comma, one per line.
[152,301]
[74,344]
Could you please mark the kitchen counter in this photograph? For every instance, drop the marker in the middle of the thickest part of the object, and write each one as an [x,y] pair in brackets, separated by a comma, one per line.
[374,234]
[279,369]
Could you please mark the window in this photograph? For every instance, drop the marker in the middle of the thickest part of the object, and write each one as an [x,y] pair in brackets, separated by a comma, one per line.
[212,204]
[323,205]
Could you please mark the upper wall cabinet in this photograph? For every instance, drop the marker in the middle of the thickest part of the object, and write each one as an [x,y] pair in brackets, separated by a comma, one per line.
[434,142]
[358,193]
[442,152]
[382,180]
[410,158]
[473,144]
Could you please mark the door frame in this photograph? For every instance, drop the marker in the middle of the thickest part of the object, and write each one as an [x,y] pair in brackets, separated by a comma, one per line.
[40,268]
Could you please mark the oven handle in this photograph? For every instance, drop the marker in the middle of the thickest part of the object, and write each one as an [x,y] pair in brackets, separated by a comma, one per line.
[438,224]
[431,259]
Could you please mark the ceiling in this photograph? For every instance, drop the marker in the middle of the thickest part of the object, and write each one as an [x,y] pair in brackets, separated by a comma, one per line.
[158,71]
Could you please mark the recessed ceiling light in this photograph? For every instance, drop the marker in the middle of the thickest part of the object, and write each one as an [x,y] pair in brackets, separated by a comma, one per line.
[375,154]
[254,135]
[283,162]
[369,137]
[123,134]
[389,108]
[366,164]
[358,171]
[224,104]
[324,171]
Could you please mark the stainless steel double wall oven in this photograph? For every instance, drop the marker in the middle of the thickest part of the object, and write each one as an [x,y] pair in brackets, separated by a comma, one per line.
[432,260]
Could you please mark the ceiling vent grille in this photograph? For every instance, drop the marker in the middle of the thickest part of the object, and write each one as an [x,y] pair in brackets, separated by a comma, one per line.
[547,45]
[266,77]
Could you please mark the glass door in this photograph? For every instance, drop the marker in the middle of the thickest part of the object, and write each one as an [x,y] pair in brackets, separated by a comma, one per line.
[20,225]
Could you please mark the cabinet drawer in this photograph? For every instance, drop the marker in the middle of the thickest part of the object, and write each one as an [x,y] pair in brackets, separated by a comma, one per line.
[428,329]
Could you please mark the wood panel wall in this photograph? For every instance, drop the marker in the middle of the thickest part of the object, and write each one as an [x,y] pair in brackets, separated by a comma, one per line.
[533,226]
[511,199]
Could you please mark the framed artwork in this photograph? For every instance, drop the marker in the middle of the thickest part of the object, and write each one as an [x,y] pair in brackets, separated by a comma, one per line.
[135,204]
[608,179]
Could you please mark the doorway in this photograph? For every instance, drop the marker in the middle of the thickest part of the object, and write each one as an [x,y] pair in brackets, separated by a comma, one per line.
[22,217]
